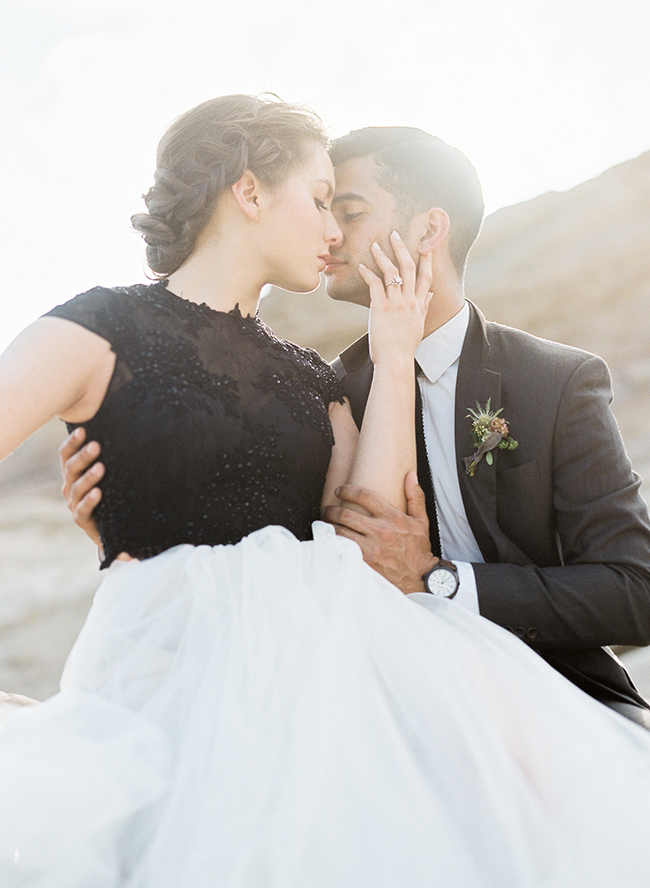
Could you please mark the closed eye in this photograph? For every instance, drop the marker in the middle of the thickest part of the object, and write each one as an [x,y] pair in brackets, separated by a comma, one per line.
[321,205]
[350,217]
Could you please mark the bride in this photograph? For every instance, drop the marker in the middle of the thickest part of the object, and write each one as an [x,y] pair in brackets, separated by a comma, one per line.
[249,704]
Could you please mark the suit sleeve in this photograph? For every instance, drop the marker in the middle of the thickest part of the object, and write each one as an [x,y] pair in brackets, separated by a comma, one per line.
[600,592]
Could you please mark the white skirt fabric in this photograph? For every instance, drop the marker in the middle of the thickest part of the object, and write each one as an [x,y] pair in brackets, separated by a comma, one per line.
[274,714]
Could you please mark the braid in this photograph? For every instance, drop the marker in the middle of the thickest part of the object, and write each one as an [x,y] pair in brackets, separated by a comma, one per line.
[176,215]
[203,153]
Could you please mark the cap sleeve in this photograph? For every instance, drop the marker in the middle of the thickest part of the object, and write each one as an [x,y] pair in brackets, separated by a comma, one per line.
[100,310]
[329,384]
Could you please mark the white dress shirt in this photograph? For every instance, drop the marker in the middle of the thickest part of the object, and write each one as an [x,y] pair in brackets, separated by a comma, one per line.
[438,355]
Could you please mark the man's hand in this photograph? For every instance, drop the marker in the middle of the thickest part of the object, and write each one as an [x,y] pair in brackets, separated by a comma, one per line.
[80,478]
[395,544]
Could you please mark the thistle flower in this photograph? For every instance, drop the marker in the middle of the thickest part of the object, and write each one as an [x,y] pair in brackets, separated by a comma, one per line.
[489,431]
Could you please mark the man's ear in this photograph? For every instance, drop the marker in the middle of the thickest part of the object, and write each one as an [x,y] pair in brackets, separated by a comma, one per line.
[246,192]
[436,228]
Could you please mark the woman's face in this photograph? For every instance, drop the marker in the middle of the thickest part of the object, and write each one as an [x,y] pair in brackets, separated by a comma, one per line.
[299,226]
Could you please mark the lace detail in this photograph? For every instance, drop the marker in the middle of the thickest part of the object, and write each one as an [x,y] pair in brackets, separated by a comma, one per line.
[211,427]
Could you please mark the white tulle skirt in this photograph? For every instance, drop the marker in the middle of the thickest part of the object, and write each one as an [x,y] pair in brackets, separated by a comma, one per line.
[275,715]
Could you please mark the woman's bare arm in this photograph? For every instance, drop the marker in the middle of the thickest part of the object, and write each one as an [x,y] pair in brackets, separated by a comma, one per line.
[53,368]
[386,450]
[346,438]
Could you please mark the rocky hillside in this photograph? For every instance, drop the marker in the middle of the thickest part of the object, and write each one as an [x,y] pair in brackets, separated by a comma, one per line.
[574,267]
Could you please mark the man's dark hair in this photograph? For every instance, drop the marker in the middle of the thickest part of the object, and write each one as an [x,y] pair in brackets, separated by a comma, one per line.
[421,171]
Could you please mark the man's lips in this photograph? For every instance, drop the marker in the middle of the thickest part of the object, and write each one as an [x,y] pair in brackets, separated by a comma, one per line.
[333,264]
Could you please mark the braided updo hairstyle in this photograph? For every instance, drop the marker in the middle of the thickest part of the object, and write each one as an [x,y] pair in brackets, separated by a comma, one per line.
[204,152]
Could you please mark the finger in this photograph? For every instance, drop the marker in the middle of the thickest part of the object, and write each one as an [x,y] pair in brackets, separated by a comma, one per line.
[406,264]
[374,504]
[84,510]
[330,514]
[85,485]
[77,464]
[388,269]
[342,516]
[350,535]
[416,504]
[357,521]
[72,444]
[375,285]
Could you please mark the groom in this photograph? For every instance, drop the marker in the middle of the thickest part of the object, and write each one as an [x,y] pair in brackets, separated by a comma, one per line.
[549,539]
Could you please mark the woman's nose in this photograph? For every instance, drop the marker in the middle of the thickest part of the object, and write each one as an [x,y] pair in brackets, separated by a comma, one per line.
[333,234]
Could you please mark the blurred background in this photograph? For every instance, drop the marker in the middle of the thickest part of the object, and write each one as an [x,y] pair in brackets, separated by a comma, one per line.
[548,99]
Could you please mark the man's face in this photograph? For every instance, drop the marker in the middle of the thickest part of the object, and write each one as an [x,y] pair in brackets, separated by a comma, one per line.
[365,213]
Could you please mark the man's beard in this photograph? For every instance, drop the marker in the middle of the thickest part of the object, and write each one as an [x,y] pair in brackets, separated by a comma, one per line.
[354,290]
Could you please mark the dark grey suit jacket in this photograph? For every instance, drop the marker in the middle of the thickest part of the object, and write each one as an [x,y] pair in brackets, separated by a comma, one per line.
[560,522]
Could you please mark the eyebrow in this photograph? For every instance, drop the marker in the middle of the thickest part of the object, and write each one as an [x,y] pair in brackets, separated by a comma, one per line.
[349,195]
[330,190]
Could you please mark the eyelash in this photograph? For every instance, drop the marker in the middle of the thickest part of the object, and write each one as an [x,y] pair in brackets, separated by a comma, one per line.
[350,217]
[321,205]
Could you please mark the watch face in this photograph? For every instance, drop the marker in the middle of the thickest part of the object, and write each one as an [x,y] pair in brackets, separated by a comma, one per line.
[442,582]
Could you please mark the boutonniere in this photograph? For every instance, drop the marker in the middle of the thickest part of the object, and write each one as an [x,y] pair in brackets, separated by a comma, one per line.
[489,430]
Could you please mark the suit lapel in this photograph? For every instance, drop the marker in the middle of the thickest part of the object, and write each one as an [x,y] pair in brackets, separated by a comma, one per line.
[354,368]
[477,383]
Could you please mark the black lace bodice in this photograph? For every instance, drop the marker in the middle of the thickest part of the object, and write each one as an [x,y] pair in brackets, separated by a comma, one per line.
[211,426]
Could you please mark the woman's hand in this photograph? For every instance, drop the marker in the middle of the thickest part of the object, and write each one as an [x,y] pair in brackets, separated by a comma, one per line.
[399,304]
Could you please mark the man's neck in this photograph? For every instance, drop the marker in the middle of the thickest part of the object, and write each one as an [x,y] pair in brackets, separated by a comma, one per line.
[445,305]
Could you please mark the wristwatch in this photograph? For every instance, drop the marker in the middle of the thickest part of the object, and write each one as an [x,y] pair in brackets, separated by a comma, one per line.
[442,580]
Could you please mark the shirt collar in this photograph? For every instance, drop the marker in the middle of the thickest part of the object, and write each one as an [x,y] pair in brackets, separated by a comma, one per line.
[440,349]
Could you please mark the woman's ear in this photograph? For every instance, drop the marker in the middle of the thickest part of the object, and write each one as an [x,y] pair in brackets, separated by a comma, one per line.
[436,228]
[246,192]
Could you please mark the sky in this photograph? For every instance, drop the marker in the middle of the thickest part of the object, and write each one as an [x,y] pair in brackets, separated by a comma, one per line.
[540,94]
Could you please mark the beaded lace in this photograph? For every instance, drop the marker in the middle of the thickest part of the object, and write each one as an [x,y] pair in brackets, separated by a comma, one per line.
[211,427]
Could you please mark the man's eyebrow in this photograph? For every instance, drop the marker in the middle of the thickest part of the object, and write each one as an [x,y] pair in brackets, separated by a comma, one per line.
[349,195]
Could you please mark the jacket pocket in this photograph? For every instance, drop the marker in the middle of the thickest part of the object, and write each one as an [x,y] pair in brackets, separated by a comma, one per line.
[516,477]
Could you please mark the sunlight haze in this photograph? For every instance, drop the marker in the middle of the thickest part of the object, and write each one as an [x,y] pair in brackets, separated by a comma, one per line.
[540,96]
